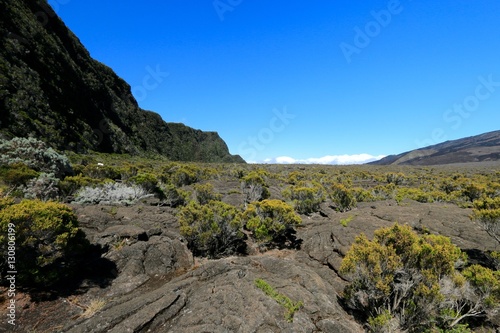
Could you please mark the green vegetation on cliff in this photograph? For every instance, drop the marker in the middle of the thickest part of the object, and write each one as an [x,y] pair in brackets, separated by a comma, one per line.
[51,89]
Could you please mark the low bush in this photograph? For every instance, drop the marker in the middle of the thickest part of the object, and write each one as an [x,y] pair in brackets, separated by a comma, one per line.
[147,181]
[296,177]
[306,198]
[212,230]
[71,184]
[35,154]
[487,212]
[415,279]
[343,198]
[396,178]
[420,195]
[16,174]
[111,193]
[362,195]
[473,191]
[172,196]
[44,188]
[97,171]
[254,186]
[47,238]
[204,193]
[181,174]
[271,221]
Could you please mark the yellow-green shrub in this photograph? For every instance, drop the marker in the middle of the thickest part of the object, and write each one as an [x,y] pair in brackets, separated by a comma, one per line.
[343,198]
[255,187]
[306,198]
[173,196]
[46,238]
[396,178]
[182,174]
[362,195]
[101,172]
[415,278]
[271,220]
[16,174]
[71,184]
[147,181]
[473,191]
[204,193]
[295,177]
[487,212]
[212,230]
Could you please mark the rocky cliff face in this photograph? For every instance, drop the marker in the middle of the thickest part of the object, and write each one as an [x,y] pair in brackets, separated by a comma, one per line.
[51,88]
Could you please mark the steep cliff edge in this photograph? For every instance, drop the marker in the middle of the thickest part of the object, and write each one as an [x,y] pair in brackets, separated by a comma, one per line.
[52,89]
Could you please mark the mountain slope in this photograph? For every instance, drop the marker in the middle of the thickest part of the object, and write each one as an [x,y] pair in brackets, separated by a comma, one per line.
[51,88]
[479,148]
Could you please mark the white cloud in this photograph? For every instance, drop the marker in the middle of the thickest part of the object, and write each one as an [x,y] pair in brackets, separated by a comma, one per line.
[329,159]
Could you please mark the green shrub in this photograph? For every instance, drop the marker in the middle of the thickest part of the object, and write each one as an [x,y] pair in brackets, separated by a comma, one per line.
[173,196]
[17,174]
[255,187]
[473,191]
[345,221]
[382,323]
[362,195]
[5,201]
[295,177]
[281,299]
[97,171]
[271,220]
[395,178]
[487,212]
[35,154]
[47,237]
[343,198]
[419,195]
[71,184]
[204,193]
[212,230]
[147,181]
[415,279]
[181,174]
[306,199]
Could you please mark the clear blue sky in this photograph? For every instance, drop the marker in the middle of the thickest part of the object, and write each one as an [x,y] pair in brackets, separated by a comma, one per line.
[301,80]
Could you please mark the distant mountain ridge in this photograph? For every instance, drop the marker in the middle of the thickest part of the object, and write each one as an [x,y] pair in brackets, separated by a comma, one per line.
[52,89]
[478,148]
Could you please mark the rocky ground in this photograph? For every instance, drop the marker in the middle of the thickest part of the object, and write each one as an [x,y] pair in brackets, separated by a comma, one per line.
[148,281]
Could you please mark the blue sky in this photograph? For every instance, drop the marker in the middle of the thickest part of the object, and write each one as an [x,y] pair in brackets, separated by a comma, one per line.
[305,81]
